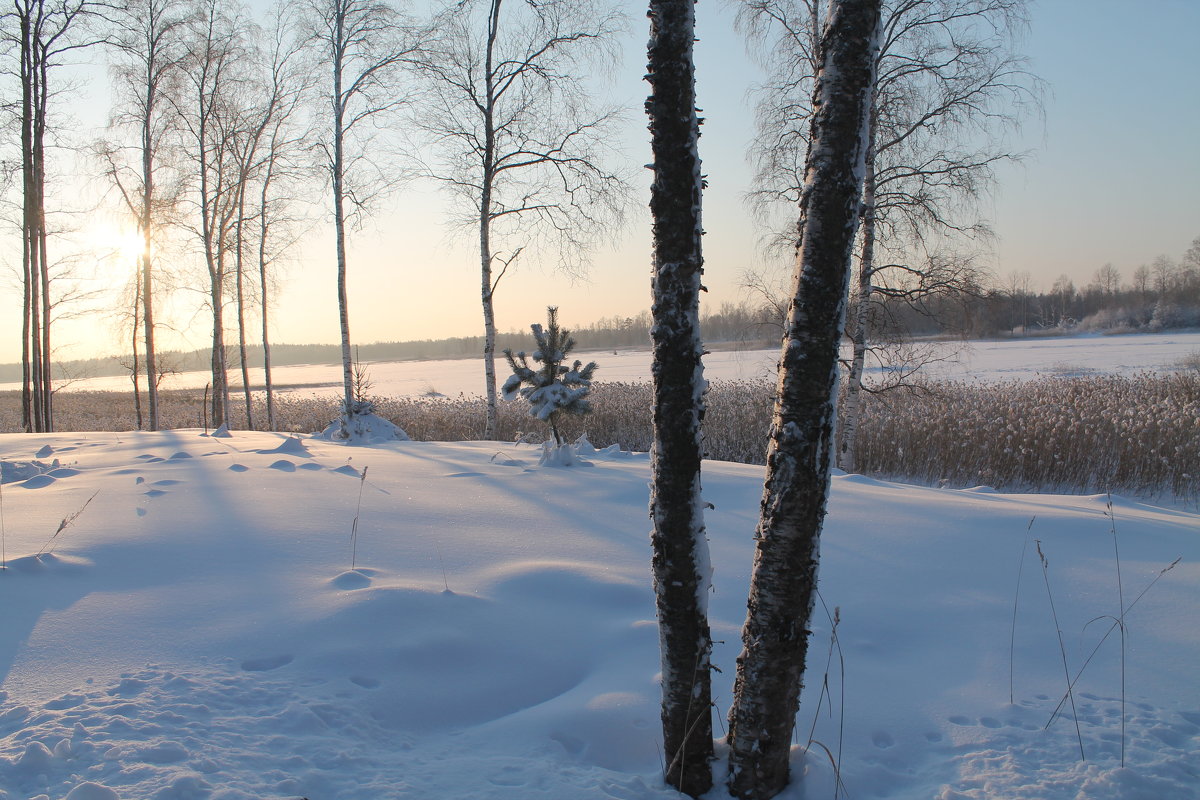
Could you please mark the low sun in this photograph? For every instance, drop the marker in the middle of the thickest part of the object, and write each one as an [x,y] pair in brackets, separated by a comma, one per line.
[118,243]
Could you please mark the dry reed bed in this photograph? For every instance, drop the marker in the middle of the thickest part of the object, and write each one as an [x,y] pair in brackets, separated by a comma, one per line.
[1137,434]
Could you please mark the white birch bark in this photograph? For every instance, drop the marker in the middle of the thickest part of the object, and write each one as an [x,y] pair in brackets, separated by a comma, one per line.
[771,666]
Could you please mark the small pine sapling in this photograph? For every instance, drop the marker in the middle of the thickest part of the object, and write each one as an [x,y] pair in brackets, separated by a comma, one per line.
[552,389]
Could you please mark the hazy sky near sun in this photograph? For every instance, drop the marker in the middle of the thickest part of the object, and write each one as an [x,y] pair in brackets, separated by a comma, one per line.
[1112,176]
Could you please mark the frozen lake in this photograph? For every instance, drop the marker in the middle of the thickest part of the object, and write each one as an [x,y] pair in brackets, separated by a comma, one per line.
[987,361]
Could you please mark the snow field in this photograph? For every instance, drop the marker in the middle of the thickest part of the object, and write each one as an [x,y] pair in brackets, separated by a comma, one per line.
[198,633]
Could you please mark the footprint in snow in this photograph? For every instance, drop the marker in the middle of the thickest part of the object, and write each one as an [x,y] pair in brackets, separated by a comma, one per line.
[882,739]
[238,468]
[283,465]
[351,579]
[180,455]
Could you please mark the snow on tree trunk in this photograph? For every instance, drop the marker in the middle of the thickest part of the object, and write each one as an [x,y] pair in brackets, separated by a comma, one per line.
[680,549]
[775,637]
[852,407]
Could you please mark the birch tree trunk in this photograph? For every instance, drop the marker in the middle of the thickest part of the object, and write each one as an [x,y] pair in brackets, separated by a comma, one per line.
[240,287]
[337,167]
[770,668]
[488,172]
[680,549]
[145,223]
[135,372]
[852,408]
[263,230]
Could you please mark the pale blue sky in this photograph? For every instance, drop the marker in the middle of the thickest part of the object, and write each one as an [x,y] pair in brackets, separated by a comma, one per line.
[1112,176]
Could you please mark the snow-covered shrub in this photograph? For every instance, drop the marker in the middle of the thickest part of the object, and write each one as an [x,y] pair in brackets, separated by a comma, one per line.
[359,424]
[1115,320]
[1170,315]
[553,389]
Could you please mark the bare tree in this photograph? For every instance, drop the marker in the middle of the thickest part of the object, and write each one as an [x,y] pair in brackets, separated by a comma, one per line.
[770,668]
[949,84]
[1162,268]
[362,45]
[523,145]
[1108,279]
[43,34]
[1141,282]
[147,45]
[268,107]
[681,577]
[280,171]
[210,112]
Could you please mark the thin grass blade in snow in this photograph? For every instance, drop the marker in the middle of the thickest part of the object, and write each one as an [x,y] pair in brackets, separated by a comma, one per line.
[68,520]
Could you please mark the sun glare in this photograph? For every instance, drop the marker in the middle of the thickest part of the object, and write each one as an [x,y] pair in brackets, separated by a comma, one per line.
[115,243]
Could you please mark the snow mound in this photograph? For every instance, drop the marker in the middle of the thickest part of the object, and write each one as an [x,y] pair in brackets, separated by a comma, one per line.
[565,455]
[363,429]
[13,471]
[291,446]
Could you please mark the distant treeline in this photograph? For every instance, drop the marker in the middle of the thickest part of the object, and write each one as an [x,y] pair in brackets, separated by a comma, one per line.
[732,325]
[979,314]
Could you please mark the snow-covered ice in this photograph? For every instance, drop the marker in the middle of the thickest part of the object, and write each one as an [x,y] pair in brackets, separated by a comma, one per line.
[978,360]
[198,631]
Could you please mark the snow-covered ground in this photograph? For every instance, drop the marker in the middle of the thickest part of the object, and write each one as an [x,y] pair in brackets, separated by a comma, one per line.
[982,360]
[198,631]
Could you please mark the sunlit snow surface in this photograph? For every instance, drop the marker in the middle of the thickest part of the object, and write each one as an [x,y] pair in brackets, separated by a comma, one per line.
[198,631]
[981,360]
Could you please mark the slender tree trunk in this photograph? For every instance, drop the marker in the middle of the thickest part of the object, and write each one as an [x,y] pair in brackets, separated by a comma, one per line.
[146,222]
[488,286]
[135,372]
[42,101]
[220,408]
[852,407]
[770,668]
[263,230]
[26,352]
[680,548]
[47,375]
[27,325]
[489,342]
[339,217]
[216,280]
[239,267]
[339,222]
